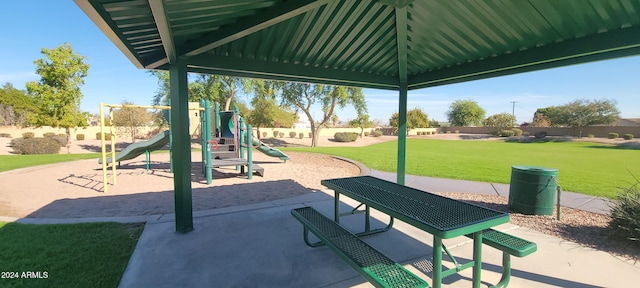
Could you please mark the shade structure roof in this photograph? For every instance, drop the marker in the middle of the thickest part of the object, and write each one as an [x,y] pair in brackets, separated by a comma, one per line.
[368,43]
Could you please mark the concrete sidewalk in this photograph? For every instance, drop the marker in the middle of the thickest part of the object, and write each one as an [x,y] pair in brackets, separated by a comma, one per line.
[261,245]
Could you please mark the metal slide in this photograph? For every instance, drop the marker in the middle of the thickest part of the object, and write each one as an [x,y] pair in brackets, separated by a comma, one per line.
[270,151]
[136,149]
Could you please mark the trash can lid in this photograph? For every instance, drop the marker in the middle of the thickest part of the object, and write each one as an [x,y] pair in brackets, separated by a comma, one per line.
[534,169]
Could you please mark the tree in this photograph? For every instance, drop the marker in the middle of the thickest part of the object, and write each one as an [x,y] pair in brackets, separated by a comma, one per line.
[550,116]
[303,96]
[214,88]
[501,121]
[131,119]
[58,94]
[540,120]
[434,123]
[334,120]
[416,118]
[582,113]
[16,107]
[361,121]
[465,113]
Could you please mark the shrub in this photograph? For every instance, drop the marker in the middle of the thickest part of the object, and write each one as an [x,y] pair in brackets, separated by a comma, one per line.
[280,134]
[28,146]
[60,139]
[292,134]
[612,135]
[275,133]
[456,131]
[448,132]
[507,133]
[49,134]
[264,134]
[310,134]
[5,135]
[526,134]
[591,136]
[540,134]
[300,135]
[27,135]
[345,136]
[79,136]
[628,136]
[517,131]
[625,213]
[107,136]
[377,133]
[62,135]
[367,133]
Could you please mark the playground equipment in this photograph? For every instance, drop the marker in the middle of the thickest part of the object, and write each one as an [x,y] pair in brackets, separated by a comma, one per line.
[133,150]
[224,146]
[226,142]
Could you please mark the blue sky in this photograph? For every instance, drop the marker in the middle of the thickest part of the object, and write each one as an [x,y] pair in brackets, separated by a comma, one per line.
[30,25]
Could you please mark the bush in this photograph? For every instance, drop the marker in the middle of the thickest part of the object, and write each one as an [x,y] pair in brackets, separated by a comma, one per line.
[517,131]
[628,136]
[526,134]
[377,133]
[79,136]
[5,135]
[310,134]
[292,134]
[107,136]
[456,131]
[300,135]
[448,132]
[280,134]
[264,134]
[612,135]
[49,134]
[625,213]
[275,133]
[591,136]
[60,139]
[27,135]
[345,136]
[540,134]
[367,133]
[29,146]
[507,133]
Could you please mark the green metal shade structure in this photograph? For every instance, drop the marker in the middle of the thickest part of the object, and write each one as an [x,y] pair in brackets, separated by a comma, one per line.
[386,44]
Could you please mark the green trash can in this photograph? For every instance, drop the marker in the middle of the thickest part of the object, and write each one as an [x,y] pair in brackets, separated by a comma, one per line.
[532,190]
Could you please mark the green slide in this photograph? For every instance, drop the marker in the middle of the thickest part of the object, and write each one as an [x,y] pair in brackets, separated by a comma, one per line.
[273,152]
[136,149]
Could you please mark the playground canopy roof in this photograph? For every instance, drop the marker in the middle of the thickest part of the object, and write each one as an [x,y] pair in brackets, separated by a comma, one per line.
[368,43]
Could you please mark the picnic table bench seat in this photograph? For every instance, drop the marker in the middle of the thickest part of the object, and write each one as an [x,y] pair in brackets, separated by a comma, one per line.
[374,266]
[509,245]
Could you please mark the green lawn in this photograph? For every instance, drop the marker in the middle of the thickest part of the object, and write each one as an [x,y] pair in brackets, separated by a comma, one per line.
[10,162]
[71,255]
[588,168]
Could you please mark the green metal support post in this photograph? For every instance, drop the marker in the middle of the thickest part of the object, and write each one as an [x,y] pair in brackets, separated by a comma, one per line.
[402,134]
[217,113]
[249,153]
[403,60]
[181,146]
[170,141]
[203,139]
[207,146]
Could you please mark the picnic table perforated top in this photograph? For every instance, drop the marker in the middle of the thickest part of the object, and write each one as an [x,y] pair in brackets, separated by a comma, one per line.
[441,216]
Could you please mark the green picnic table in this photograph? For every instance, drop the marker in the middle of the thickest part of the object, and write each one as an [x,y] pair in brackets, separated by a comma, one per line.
[440,216]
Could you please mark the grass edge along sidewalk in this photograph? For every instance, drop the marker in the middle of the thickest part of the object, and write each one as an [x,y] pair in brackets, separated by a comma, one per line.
[594,169]
[66,255]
